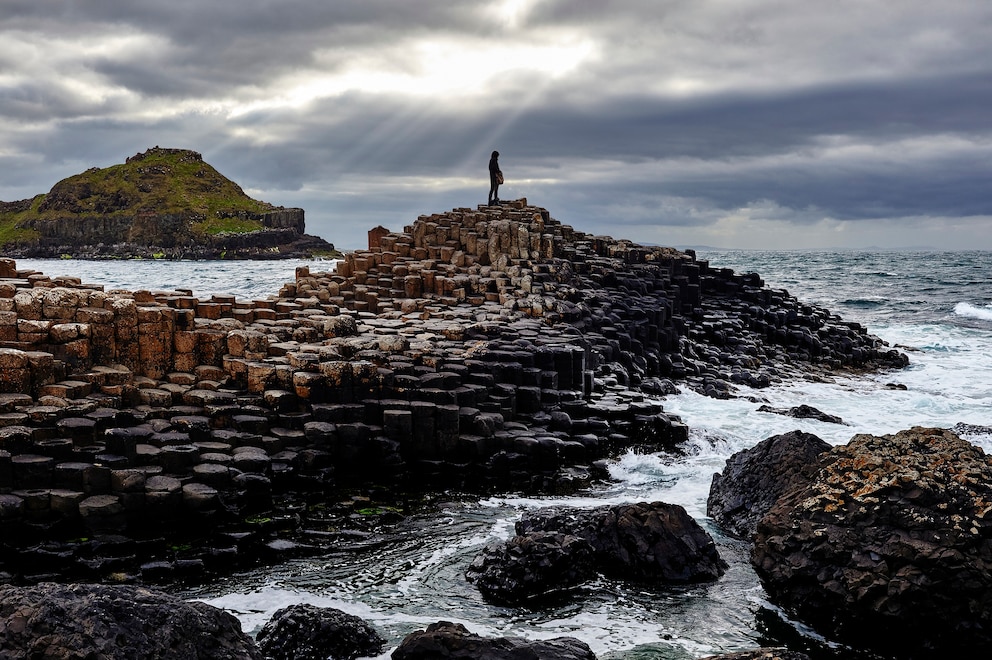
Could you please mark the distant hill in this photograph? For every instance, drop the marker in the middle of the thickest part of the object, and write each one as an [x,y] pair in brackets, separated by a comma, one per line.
[160,203]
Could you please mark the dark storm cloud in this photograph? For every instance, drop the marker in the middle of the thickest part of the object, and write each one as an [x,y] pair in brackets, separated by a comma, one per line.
[723,130]
[202,48]
[743,124]
[668,113]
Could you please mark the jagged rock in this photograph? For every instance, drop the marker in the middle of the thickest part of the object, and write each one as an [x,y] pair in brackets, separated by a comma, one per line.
[454,641]
[803,412]
[889,546]
[557,549]
[532,568]
[644,541]
[307,632]
[755,478]
[115,622]
[761,654]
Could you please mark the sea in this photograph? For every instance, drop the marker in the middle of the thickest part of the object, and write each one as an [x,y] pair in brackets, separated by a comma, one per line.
[935,306]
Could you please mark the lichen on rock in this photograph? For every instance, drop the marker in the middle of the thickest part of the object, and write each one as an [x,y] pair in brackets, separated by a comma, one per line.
[889,546]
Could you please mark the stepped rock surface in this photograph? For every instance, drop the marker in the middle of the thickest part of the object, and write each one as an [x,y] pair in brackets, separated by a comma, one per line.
[161,436]
[889,546]
[161,203]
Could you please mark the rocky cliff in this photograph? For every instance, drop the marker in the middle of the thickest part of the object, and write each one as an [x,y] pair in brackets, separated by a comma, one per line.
[160,203]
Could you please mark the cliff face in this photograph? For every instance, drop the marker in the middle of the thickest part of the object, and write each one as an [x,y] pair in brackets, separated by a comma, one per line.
[163,203]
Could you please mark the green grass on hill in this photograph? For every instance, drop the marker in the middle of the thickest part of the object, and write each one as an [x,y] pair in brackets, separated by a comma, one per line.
[160,181]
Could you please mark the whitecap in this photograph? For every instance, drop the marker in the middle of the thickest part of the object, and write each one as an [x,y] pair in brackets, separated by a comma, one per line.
[973,312]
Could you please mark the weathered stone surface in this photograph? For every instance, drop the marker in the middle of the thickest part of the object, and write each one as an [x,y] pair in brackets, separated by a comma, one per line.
[307,632]
[453,640]
[889,546]
[645,541]
[532,568]
[558,549]
[803,412]
[115,622]
[755,478]
[761,654]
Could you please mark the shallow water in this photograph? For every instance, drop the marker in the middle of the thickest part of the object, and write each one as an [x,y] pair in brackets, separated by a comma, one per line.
[247,280]
[937,306]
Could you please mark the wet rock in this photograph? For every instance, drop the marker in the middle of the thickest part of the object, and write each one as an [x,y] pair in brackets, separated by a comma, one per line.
[453,640]
[888,546]
[803,412]
[761,654]
[645,541]
[307,632]
[103,513]
[557,549]
[532,568]
[115,622]
[755,478]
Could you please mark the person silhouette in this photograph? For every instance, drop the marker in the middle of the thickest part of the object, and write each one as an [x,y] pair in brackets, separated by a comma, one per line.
[495,178]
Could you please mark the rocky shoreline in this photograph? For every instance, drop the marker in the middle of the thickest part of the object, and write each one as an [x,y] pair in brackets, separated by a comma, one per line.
[883,543]
[159,204]
[272,243]
[152,436]
[124,622]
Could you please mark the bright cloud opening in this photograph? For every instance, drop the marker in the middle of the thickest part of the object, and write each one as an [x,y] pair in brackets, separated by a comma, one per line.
[436,68]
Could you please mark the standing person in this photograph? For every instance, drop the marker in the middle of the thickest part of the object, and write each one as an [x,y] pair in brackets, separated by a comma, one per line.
[495,178]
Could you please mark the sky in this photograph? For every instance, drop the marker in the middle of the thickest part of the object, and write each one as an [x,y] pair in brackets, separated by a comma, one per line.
[729,123]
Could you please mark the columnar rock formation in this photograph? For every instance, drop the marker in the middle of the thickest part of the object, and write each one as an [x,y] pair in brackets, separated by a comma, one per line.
[480,349]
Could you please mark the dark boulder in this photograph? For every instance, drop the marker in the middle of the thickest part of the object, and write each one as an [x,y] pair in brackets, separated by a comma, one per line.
[453,640]
[761,654]
[535,567]
[889,547]
[111,622]
[755,478]
[308,632]
[644,541]
[803,412]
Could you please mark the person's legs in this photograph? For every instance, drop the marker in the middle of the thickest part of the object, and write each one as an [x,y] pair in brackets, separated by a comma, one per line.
[493,189]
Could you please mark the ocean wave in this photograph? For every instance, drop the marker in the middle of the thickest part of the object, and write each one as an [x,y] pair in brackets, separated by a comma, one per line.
[973,312]
[863,302]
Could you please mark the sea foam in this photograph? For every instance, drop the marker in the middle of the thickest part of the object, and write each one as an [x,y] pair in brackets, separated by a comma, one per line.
[973,312]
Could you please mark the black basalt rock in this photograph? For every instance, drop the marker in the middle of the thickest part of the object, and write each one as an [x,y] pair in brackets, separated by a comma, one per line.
[307,632]
[803,412]
[761,654]
[558,549]
[888,547]
[533,568]
[454,641]
[116,623]
[755,478]
[646,541]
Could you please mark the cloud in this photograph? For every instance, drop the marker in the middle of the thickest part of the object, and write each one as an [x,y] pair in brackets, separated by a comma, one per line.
[618,115]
